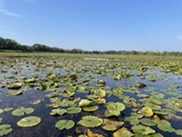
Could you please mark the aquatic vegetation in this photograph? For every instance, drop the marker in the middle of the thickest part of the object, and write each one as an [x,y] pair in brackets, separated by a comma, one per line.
[130,96]
[29,121]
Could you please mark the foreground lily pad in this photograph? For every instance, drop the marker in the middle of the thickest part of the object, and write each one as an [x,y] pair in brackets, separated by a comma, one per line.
[113,109]
[58,111]
[165,126]
[14,92]
[22,111]
[148,122]
[90,108]
[111,125]
[142,129]
[122,132]
[29,121]
[90,121]
[5,129]
[147,111]
[74,110]
[64,124]
[100,93]
[16,85]
[92,134]
[85,102]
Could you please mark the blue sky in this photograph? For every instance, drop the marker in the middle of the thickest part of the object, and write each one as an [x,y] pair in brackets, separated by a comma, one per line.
[94,24]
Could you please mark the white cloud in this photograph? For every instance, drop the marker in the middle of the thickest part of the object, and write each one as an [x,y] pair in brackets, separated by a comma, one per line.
[179,37]
[9,13]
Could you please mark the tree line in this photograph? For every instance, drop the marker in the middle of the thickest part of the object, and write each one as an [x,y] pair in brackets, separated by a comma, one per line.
[9,44]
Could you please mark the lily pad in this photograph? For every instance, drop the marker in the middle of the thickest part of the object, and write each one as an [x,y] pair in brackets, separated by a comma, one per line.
[148,122]
[14,92]
[90,121]
[90,108]
[122,132]
[22,111]
[100,93]
[16,85]
[29,121]
[64,124]
[113,109]
[111,125]
[140,85]
[5,129]
[147,111]
[85,102]
[142,129]
[58,111]
[92,134]
[74,110]
[165,126]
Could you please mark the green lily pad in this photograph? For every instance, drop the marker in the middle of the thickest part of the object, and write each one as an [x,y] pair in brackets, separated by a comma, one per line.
[16,85]
[64,124]
[122,132]
[90,108]
[113,109]
[14,92]
[165,126]
[147,111]
[90,121]
[22,111]
[29,121]
[30,80]
[8,109]
[142,129]
[152,78]
[178,132]
[111,125]
[133,120]
[100,93]
[1,119]
[74,110]
[85,102]
[140,85]
[148,122]
[58,111]
[5,129]
[1,111]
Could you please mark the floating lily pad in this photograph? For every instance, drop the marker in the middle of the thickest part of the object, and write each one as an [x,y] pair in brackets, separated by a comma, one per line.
[35,102]
[64,124]
[1,111]
[178,132]
[14,92]
[111,125]
[140,85]
[74,110]
[5,129]
[16,85]
[147,111]
[165,126]
[113,109]
[85,102]
[90,121]
[8,109]
[122,132]
[100,93]
[22,111]
[133,120]
[92,134]
[90,108]
[29,121]
[148,122]
[142,129]
[58,111]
